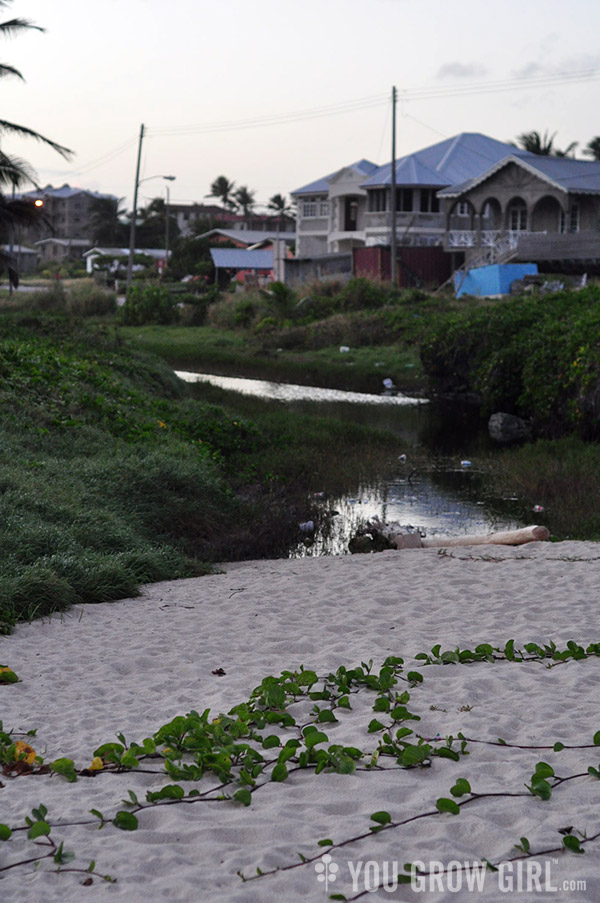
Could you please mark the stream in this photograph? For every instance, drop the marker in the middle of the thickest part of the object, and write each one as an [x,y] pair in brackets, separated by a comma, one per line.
[438,486]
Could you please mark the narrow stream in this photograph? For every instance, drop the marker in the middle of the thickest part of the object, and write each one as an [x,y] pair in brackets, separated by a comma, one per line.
[439,488]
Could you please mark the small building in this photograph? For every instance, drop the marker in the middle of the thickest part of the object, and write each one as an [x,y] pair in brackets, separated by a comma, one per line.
[58,250]
[242,265]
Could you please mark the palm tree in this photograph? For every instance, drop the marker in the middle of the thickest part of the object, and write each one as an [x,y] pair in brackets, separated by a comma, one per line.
[535,143]
[8,29]
[279,204]
[14,172]
[222,189]
[244,198]
[592,148]
[106,221]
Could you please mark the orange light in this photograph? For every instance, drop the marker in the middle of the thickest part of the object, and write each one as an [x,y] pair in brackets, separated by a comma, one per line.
[38,202]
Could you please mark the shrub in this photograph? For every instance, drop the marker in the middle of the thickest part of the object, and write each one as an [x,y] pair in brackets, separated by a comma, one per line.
[148,303]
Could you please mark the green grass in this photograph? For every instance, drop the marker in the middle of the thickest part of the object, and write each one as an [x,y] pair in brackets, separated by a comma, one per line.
[114,473]
[563,476]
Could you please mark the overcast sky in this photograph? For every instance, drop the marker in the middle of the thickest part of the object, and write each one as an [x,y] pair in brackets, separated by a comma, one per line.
[200,74]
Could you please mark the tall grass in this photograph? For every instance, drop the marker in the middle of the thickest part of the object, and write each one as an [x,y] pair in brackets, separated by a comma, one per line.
[562,476]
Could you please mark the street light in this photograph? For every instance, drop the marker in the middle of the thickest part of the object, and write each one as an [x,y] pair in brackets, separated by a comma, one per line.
[133,218]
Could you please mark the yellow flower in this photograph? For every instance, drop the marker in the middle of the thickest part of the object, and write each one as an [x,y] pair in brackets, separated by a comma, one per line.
[5,669]
[97,764]
[162,425]
[24,753]
[216,721]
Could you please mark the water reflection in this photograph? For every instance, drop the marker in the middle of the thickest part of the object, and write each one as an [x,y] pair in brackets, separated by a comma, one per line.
[291,393]
[432,491]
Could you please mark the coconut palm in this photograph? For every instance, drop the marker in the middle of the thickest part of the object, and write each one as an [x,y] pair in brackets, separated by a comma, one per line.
[279,204]
[8,29]
[222,189]
[244,198]
[543,145]
[106,219]
[14,172]
[592,148]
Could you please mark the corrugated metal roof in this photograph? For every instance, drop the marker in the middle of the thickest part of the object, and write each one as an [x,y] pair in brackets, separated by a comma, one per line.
[249,236]
[446,163]
[321,186]
[240,259]
[581,176]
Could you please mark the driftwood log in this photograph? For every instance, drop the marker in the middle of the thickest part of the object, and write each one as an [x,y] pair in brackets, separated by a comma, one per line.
[394,536]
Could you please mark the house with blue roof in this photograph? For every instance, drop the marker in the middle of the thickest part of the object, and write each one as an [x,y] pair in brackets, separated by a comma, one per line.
[352,207]
[540,208]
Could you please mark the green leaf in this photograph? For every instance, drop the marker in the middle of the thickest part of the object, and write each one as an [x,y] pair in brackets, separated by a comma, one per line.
[326,842]
[382,818]
[326,715]
[38,829]
[446,805]
[314,737]
[375,726]
[543,770]
[558,746]
[126,821]
[271,741]
[5,832]
[572,843]
[597,738]
[414,755]
[168,792]
[66,768]
[461,787]
[279,773]
[414,677]
[525,845]
[243,796]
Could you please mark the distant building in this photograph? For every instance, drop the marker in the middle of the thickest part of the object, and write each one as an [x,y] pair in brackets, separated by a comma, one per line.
[65,214]
[215,217]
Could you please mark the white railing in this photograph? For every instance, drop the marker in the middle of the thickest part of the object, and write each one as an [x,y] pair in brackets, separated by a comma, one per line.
[462,238]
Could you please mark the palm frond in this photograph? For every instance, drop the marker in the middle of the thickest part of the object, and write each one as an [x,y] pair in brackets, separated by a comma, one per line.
[24,132]
[13,26]
[5,70]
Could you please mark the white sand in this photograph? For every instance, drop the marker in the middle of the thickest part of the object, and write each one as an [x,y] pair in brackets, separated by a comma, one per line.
[131,666]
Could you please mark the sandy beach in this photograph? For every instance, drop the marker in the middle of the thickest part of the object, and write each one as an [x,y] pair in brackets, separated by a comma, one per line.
[206,643]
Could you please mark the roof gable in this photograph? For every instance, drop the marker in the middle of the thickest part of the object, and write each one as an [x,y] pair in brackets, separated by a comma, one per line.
[321,186]
[563,173]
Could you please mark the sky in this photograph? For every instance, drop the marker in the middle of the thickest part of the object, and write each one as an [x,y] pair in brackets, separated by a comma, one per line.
[276,94]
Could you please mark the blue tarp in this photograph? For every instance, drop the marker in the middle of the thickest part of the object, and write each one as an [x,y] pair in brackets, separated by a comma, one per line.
[495,279]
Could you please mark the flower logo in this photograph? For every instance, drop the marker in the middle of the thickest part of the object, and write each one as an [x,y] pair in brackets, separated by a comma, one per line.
[326,870]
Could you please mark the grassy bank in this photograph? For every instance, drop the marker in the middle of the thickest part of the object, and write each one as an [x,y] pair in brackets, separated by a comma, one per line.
[294,336]
[112,475]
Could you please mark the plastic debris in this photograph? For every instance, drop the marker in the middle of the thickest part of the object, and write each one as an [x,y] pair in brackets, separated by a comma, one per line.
[538,509]
[388,383]
[318,495]
[402,459]
[465,463]
[344,348]
[308,526]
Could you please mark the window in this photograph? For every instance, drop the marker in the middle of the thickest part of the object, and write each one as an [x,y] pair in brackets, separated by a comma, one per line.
[570,223]
[309,207]
[463,208]
[429,201]
[378,200]
[404,200]
[324,208]
[517,217]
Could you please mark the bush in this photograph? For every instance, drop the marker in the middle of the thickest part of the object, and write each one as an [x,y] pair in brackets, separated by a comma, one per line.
[148,303]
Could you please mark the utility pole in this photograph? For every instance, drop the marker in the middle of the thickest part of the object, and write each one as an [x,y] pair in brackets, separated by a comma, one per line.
[393,190]
[134,213]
